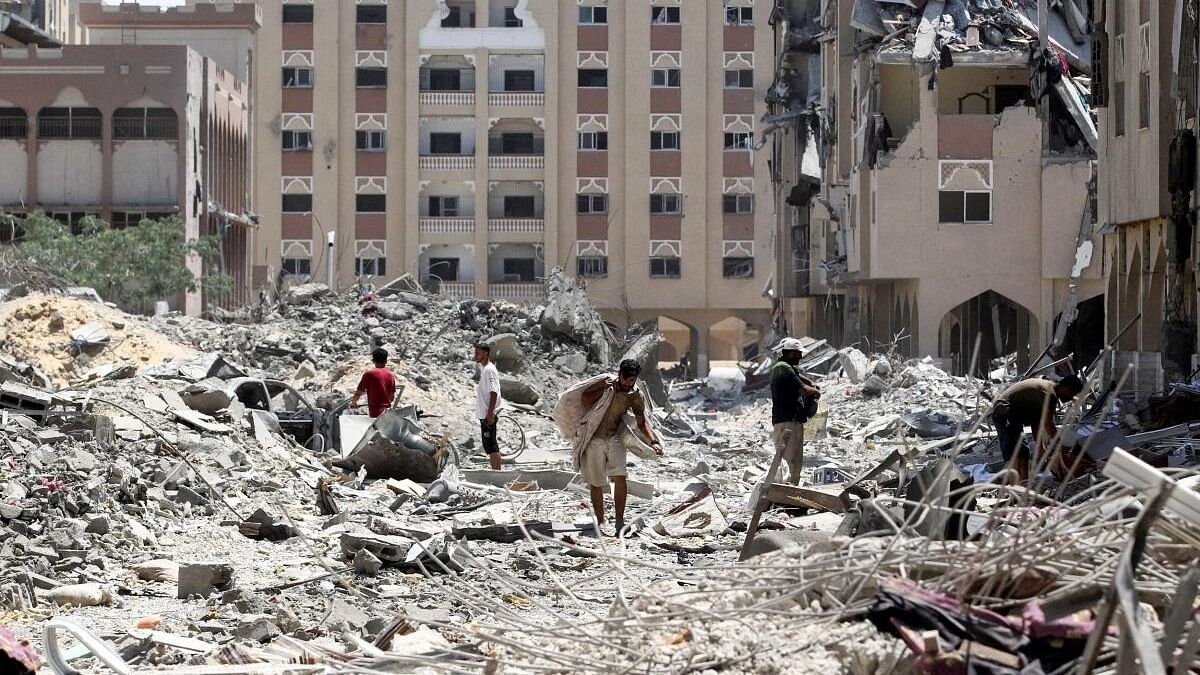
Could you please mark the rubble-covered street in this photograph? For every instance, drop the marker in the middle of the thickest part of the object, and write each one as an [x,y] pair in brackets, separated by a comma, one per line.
[169,487]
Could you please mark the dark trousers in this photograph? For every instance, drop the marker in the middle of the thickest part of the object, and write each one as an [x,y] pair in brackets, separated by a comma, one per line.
[488,431]
[1010,432]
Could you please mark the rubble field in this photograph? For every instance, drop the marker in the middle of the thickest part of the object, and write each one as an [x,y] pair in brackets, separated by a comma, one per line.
[178,495]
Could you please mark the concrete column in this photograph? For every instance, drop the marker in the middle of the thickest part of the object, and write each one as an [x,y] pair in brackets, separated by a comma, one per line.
[482,111]
[31,158]
[700,349]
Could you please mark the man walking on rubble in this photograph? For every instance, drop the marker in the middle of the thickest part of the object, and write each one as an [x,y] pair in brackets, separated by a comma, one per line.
[1029,403]
[604,457]
[378,384]
[487,402]
[793,399]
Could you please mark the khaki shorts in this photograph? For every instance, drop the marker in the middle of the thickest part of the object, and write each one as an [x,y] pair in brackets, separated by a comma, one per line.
[603,458]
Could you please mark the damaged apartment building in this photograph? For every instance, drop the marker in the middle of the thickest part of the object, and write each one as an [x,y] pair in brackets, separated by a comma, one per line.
[1145,95]
[933,162]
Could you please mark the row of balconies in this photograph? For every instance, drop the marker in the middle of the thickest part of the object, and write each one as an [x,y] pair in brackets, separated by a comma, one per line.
[513,292]
[467,162]
[454,226]
[506,99]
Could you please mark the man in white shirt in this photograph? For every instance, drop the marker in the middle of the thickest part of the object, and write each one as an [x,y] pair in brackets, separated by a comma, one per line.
[487,402]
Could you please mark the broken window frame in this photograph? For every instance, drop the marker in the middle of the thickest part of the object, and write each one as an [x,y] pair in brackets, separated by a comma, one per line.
[666,267]
[596,141]
[737,268]
[666,16]
[370,78]
[593,78]
[665,140]
[739,16]
[738,140]
[742,78]
[370,267]
[665,78]
[666,204]
[739,204]
[591,204]
[515,81]
[525,272]
[296,140]
[296,266]
[452,265]
[593,16]
[371,14]
[370,140]
[444,206]
[297,77]
[370,203]
[591,266]
[295,203]
[437,138]
[297,13]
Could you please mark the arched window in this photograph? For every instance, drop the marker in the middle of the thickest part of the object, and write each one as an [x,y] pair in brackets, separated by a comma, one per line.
[69,123]
[145,124]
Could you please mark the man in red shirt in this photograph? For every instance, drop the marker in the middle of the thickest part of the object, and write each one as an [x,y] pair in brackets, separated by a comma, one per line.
[378,383]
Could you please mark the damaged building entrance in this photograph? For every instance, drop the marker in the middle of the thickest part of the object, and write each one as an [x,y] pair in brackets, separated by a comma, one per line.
[1003,328]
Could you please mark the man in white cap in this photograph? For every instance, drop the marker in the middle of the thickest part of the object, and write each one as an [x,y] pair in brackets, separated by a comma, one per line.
[793,397]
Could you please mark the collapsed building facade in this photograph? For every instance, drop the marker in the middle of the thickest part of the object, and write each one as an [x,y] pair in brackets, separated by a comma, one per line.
[1145,95]
[937,192]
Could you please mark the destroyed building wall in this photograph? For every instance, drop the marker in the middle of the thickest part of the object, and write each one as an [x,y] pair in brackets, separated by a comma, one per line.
[1147,254]
[157,159]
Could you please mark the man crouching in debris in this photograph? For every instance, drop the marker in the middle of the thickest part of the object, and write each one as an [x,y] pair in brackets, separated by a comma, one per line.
[1029,403]
[793,401]
[378,384]
[487,402]
[604,456]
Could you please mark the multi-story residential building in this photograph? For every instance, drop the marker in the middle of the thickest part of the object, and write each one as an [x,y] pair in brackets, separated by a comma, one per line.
[1146,95]
[125,132]
[480,143]
[947,214]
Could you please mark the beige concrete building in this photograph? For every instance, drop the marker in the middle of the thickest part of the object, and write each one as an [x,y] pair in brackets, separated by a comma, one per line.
[1147,114]
[945,213]
[480,143]
[123,133]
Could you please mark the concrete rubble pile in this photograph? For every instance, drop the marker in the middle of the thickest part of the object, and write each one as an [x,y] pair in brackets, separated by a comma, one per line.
[191,513]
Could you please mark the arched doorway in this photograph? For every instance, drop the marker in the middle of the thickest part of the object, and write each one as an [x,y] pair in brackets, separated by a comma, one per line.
[678,340]
[1002,326]
[731,340]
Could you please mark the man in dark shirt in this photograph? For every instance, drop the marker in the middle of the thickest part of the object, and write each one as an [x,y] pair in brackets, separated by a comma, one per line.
[378,384]
[789,389]
[1029,403]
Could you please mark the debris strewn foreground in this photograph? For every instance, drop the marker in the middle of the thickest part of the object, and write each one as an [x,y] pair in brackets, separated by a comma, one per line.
[186,511]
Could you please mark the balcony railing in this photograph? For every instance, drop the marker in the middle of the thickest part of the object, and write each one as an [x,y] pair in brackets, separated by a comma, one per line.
[523,292]
[459,290]
[516,162]
[447,225]
[447,162]
[516,98]
[447,98]
[516,225]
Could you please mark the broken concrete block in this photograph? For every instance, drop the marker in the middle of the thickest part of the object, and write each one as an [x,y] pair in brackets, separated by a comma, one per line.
[873,385]
[854,363]
[883,367]
[203,578]
[505,352]
[97,524]
[366,563]
[575,363]
[258,629]
[517,391]
[207,396]
[303,294]
[792,542]
[424,640]
[384,547]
